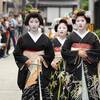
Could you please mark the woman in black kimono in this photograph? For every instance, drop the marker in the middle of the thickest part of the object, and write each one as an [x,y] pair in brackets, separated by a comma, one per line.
[79,52]
[62,29]
[33,55]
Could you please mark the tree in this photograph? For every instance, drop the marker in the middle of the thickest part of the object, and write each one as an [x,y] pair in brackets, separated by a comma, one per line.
[31,0]
[85,4]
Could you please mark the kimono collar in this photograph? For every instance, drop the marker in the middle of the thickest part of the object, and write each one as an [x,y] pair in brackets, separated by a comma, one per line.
[35,37]
[81,35]
[61,40]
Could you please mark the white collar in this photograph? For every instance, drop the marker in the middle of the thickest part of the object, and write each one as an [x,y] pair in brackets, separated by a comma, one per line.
[35,37]
[81,35]
[61,40]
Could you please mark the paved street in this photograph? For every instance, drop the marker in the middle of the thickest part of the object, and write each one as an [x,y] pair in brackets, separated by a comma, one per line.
[8,76]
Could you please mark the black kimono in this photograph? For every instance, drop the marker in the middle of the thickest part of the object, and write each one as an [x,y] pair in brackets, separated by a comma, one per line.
[56,85]
[26,43]
[83,72]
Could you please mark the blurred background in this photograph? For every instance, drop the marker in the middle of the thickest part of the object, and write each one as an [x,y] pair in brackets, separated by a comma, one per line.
[51,9]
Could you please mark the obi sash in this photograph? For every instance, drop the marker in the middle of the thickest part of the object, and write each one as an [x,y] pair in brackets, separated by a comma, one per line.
[77,46]
[35,69]
[58,57]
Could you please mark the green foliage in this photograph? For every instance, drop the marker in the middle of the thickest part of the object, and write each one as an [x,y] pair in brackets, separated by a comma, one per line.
[31,0]
[85,4]
[28,7]
[98,32]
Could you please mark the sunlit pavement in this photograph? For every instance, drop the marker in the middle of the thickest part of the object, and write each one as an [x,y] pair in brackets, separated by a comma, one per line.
[8,79]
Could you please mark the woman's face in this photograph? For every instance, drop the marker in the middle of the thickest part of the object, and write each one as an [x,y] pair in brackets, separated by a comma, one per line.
[34,24]
[62,29]
[81,23]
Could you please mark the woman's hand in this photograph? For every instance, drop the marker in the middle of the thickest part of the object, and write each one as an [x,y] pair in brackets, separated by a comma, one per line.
[54,65]
[41,58]
[82,53]
[28,62]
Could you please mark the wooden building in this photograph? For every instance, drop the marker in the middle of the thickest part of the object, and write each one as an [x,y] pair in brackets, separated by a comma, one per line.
[52,9]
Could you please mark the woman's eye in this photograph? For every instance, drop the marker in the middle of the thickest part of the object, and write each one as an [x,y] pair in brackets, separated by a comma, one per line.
[31,21]
[77,20]
[82,20]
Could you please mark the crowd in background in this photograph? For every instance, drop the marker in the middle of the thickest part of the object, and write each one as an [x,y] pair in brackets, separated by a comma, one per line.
[11,27]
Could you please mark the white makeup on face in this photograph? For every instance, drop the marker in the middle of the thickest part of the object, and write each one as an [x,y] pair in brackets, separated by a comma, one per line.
[34,24]
[81,23]
[62,29]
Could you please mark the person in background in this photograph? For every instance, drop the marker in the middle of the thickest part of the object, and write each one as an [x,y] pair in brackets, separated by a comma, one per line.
[62,30]
[3,38]
[6,27]
[2,42]
[33,55]
[79,51]
[19,24]
[12,31]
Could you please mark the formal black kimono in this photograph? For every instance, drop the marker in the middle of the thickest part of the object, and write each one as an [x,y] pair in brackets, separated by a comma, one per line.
[57,45]
[42,44]
[57,83]
[83,72]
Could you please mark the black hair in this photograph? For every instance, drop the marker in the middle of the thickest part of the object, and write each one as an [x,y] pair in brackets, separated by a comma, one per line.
[81,13]
[65,22]
[73,20]
[55,27]
[34,15]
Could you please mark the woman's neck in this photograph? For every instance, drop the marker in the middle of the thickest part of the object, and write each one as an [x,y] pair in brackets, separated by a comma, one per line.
[82,31]
[34,32]
[62,37]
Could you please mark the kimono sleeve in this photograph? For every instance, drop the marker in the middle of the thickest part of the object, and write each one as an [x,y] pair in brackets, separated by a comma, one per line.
[20,59]
[49,52]
[94,54]
[66,52]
